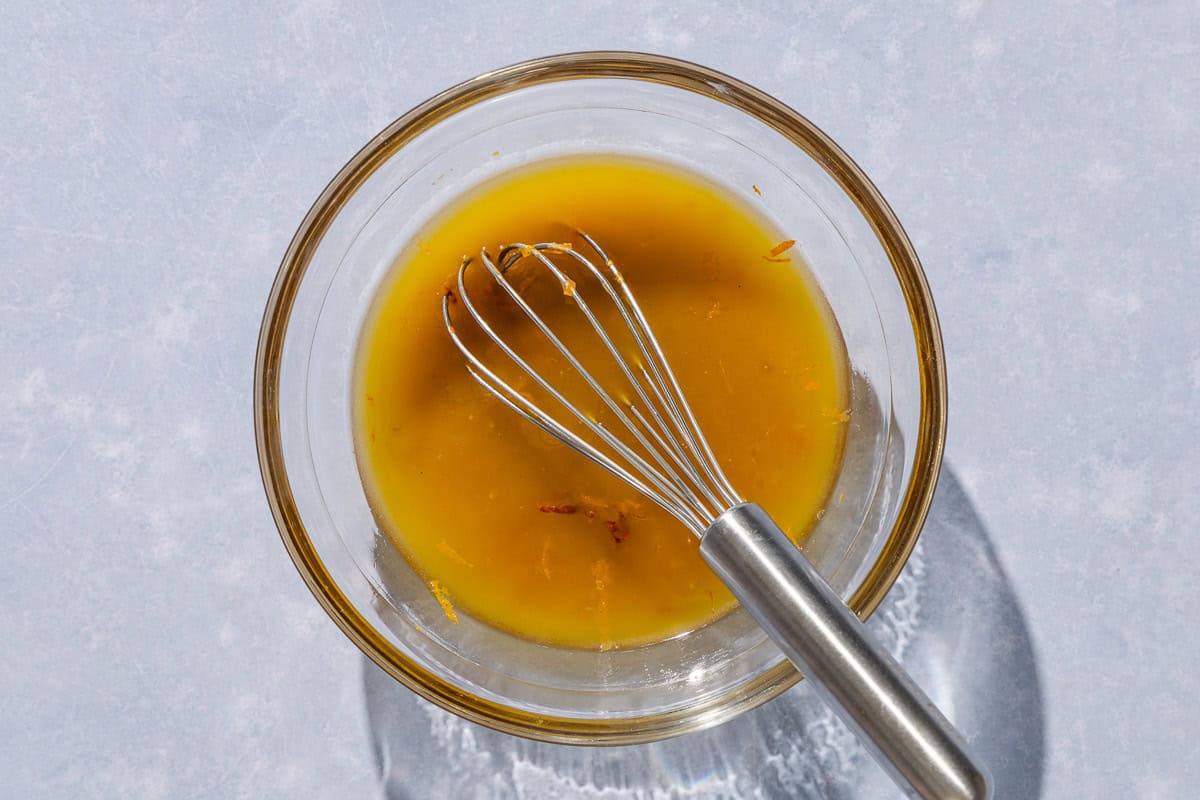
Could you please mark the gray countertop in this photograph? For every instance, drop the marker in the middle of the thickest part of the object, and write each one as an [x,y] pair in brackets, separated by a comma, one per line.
[154,163]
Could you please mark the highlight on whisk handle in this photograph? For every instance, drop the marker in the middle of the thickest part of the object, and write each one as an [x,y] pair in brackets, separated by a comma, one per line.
[829,645]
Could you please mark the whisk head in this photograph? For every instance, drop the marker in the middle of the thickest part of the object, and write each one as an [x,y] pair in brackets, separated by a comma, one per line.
[656,447]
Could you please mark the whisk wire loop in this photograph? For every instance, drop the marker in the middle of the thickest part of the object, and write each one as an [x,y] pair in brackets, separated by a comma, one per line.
[672,463]
[512,254]
[503,390]
[678,402]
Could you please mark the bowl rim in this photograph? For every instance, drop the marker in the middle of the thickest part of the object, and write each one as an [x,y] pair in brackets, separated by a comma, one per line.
[677,74]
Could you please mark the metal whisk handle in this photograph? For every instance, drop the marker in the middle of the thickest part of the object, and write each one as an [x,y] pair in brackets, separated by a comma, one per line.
[808,621]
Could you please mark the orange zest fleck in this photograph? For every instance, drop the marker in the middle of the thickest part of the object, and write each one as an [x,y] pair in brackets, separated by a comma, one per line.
[453,554]
[443,597]
[783,247]
[841,415]
[601,576]
[618,528]
[757,190]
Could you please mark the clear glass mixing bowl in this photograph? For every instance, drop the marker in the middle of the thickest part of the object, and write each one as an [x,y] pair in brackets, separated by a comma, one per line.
[589,103]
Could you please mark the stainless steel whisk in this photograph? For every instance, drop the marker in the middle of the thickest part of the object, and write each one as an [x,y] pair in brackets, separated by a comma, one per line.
[673,465]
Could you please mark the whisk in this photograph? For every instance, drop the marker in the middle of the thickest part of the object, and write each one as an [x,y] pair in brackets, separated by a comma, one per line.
[667,459]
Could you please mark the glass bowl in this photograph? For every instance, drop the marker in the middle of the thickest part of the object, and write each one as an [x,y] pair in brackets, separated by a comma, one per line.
[591,103]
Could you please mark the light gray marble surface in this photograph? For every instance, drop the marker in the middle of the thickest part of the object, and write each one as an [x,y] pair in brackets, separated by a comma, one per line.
[156,158]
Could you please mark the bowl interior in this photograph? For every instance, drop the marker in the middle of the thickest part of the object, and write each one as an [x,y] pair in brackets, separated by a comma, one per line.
[346,248]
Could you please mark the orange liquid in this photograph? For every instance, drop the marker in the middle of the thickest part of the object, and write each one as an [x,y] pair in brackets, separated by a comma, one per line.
[517,530]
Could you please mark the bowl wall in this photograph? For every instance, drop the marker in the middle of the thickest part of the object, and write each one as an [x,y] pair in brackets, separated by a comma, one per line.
[591,103]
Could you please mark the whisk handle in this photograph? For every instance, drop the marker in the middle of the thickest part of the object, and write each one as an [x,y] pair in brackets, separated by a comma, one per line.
[824,639]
